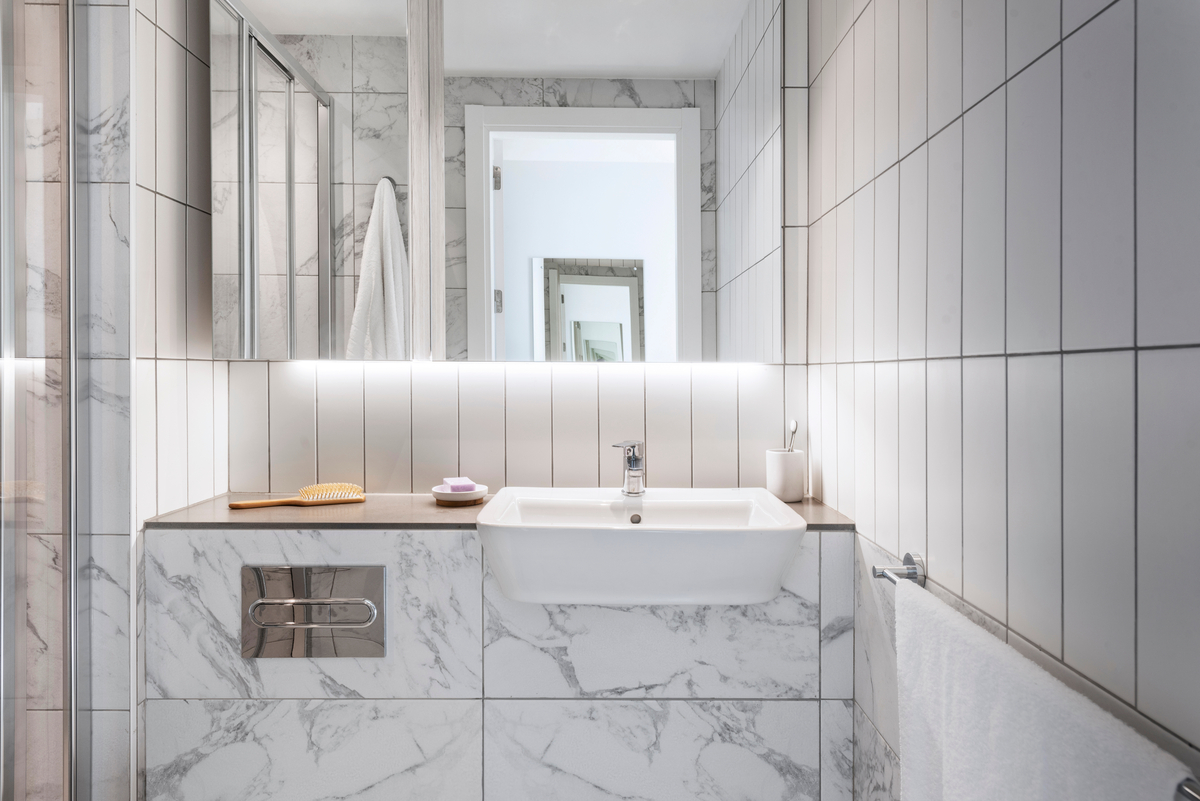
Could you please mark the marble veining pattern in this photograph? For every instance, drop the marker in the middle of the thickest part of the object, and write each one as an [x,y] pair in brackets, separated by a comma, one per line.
[314,750]
[837,616]
[380,64]
[104,497]
[875,689]
[106,575]
[108,123]
[43,622]
[619,93]
[708,251]
[761,651]
[708,170]
[876,765]
[194,615]
[837,750]
[43,120]
[326,58]
[651,750]
[462,92]
[380,138]
[456,324]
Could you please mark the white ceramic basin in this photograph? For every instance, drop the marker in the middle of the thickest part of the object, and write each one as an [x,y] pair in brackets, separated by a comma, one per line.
[692,546]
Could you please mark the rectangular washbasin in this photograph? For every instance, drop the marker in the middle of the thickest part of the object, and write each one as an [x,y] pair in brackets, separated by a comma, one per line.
[687,546]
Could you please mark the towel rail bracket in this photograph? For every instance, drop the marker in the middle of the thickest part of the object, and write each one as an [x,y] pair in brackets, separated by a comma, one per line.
[913,569]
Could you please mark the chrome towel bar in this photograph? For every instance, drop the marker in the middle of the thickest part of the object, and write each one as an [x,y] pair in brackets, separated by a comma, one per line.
[1188,789]
[913,569]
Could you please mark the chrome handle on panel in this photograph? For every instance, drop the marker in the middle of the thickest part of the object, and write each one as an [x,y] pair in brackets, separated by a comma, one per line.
[372,612]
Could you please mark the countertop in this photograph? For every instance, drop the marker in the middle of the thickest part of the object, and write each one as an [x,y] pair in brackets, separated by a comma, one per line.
[416,511]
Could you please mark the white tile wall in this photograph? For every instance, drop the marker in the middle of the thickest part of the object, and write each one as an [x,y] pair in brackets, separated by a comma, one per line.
[945,62]
[340,442]
[575,425]
[481,424]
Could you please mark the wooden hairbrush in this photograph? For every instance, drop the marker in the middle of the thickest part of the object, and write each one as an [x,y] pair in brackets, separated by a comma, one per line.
[314,495]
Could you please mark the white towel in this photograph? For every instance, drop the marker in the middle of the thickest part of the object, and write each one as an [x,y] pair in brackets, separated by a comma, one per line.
[980,722]
[379,328]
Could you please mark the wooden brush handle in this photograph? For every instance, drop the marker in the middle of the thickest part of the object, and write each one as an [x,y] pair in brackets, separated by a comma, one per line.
[289,502]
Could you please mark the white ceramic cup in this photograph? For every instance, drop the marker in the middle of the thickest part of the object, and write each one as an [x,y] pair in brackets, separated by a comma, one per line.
[787,477]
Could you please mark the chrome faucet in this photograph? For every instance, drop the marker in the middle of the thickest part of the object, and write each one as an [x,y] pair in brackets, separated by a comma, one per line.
[634,452]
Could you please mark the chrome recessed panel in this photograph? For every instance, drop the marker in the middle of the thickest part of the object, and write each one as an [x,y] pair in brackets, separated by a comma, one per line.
[329,612]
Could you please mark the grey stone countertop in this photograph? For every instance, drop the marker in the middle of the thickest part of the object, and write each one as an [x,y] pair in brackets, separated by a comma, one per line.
[387,511]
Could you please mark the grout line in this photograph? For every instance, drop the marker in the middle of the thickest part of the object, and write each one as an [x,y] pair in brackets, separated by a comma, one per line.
[1136,366]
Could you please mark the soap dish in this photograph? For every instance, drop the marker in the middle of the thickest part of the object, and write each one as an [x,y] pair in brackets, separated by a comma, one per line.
[446,498]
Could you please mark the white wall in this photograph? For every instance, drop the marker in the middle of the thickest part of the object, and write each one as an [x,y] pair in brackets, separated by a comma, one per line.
[590,210]
[1000,377]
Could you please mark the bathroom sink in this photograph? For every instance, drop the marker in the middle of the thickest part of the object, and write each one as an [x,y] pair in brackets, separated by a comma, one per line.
[668,546]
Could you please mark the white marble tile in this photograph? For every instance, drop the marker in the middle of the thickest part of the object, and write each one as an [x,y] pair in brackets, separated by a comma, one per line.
[461,92]
[706,101]
[456,325]
[837,614]
[43,120]
[456,168]
[380,138]
[456,249]
[104,504]
[761,651]
[875,687]
[109,758]
[708,170]
[43,622]
[876,766]
[380,64]
[108,90]
[310,750]
[43,268]
[106,601]
[107,315]
[194,615]
[305,155]
[618,93]
[43,756]
[837,750]
[708,251]
[326,58]
[665,750]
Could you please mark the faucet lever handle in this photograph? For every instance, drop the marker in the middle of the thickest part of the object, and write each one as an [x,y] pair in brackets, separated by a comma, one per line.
[634,452]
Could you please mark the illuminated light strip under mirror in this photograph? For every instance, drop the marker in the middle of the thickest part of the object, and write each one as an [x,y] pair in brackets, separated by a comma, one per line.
[558,150]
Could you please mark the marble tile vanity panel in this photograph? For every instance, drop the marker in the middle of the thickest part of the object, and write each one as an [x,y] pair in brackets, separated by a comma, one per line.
[875,689]
[545,750]
[193,615]
[308,750]
[766,650]
[876,765]
[837,750]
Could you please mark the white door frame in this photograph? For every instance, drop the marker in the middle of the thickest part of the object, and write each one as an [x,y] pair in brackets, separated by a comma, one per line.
[684,123]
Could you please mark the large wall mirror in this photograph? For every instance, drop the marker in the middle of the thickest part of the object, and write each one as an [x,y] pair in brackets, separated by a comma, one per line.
[591,182]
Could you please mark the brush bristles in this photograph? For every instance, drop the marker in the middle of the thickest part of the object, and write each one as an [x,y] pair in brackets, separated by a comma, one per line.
[331,492]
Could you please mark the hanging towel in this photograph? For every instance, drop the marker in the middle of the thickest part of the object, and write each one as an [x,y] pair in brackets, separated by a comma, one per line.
[379,328]
[980,722]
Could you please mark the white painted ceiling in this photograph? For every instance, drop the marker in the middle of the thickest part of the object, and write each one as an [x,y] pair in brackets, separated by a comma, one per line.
[536,38]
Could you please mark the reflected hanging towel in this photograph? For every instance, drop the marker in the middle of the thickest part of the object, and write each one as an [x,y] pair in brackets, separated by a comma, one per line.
[980,722]
[379,329]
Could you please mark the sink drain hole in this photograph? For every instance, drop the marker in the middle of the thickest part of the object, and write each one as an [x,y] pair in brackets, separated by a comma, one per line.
[635,519]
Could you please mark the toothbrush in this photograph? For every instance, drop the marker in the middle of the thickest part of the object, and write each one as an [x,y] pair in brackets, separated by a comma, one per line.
[793,425]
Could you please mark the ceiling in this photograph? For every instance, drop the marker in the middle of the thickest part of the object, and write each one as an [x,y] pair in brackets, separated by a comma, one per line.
[542,38]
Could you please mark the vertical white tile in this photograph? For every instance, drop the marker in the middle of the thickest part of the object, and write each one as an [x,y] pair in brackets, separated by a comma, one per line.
[172,435]
[887,457]
[829,289]
[816,144]
[220,427]
[847,502]
[170,285]
[864,97]
[249,424]
[171,119]
[1034,231]
[1168,176]
[481,423]
[199,284]
[945,62]
[1099,475]
[816,477]
[829,436]
[795,294]
[795,43]
[199,127]
[715,425]
[434,423]
[1035,499]
[576,425]
[914,230]
[200,431]
[708,326]
[1168,543]
[1097,233]
[145,299]
[146,446]
[815,54]
[795,156]
[171,17]
[761,422]
[887,263]
[944,313]
[340,433]
[829,131]
[887,83]
[913,466]
[198,29]
[944,409]
[983,48]
[527,411]
[1033,28]
[914,64]
[668,425]
[387,422]
[864,449]
[795,403]
[983,227]
[816,236]
[844,351]
[985,511]
[864,274]
[147,44]
[845,118]
[293,406]
[837,614]
[622,416]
